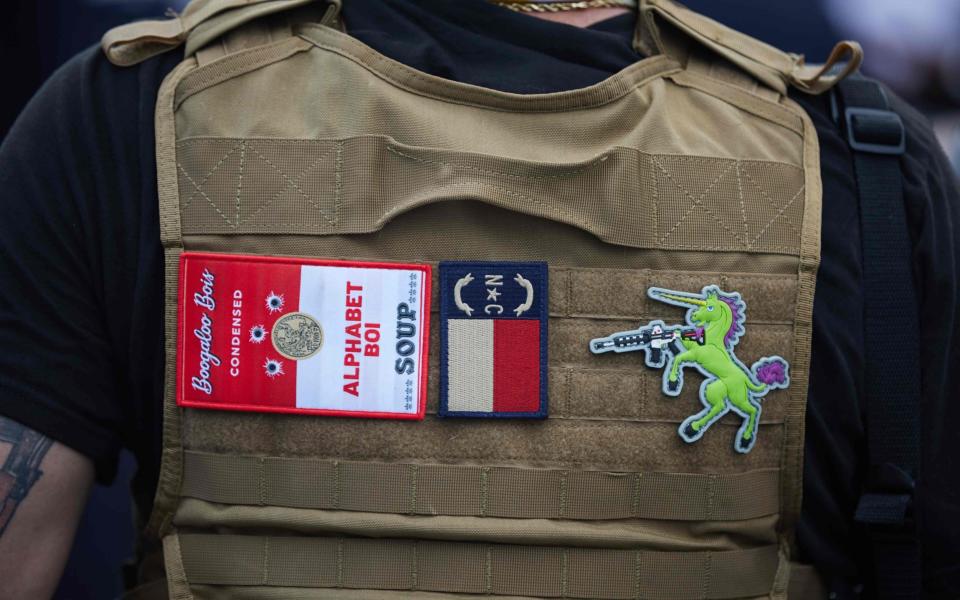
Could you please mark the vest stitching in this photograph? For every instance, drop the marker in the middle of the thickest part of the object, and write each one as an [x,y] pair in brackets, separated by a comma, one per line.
[642,404]
[698,201]
[773,204]
[339,562]
[778,215]
[336,485]
[637,567]
[564,575]
[291,183]
[655,200]
[789,250]
[743,207]
[338,195]
[207,176]
[711,494]
[261,477]
[635,508]
[204,194]
[414,476]
[488,571]
[484,474]
[266,553]
[415,584]
[707,575]
[243,156]
[563,495]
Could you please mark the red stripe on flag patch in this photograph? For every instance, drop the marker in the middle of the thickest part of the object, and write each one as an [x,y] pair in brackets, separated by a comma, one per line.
[516,365]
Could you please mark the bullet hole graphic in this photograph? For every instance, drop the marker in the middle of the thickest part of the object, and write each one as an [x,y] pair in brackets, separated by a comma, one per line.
[273,368]
[275,302]
[258,333]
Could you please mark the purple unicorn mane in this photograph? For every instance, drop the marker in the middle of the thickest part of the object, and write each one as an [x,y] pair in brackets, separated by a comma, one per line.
[736,325]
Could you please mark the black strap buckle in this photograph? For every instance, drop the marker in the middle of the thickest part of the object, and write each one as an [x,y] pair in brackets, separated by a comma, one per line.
[875,131]
[888,499]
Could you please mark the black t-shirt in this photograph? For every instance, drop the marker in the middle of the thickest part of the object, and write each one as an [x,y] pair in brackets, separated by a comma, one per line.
[81,272]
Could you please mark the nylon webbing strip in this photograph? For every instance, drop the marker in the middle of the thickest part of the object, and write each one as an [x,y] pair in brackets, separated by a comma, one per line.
[478,491]
[487,569]
[359,184]
[892,359]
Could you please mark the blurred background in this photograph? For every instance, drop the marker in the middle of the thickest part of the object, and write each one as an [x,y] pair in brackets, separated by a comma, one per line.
[912,46]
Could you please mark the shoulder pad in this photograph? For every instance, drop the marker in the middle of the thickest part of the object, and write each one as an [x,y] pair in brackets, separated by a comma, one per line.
[201,22]
[667,25]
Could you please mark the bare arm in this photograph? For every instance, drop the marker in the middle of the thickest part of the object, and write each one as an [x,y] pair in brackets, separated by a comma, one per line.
[43,489]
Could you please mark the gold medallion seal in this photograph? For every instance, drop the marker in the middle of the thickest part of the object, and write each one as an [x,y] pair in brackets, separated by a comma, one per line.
[297,336]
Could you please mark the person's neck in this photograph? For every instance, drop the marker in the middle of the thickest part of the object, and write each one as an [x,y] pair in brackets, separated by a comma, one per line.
[582,18]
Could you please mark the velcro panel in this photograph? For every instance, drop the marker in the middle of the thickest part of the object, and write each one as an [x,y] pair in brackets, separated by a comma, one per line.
[625,389]
[621,294]
[357,185]
[587,303]
[479,491]
[487,569]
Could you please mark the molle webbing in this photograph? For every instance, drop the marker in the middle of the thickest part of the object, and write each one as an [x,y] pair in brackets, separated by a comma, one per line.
[455,490]
[486,569]
[357,185]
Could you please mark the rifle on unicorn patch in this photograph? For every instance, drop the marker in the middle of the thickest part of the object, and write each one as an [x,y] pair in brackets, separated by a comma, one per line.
[715,323]
[654,338]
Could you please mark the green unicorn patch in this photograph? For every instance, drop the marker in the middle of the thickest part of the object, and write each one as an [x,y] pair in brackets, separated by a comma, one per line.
[714,325]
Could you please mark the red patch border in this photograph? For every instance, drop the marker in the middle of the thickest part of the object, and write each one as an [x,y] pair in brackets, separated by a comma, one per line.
[180,375]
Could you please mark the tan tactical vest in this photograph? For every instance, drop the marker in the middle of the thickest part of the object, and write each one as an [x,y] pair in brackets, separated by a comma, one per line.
[690,168]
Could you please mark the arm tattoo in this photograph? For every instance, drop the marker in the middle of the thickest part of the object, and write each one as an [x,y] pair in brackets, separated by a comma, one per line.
[22,467]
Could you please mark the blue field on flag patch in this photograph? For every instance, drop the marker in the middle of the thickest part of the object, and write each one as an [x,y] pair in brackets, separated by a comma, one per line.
[493,339]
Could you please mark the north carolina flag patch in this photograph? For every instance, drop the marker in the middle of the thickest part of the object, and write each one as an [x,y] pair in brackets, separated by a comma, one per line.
[493,339]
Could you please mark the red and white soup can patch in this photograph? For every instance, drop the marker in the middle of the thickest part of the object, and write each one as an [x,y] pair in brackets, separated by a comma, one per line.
[321,337]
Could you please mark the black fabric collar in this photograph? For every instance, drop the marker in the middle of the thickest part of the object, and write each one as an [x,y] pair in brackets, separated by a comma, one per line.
[475,42]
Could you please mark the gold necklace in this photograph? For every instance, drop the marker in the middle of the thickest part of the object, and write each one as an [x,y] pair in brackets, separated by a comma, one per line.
[562,5]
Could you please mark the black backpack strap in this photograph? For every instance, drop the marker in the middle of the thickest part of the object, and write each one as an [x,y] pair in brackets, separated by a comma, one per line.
[887,504]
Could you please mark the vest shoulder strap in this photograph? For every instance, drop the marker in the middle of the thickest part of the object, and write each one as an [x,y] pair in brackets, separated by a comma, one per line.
[201,22]
[667,27]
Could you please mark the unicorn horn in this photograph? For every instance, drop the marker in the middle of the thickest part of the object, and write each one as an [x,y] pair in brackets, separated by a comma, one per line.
[676,298]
